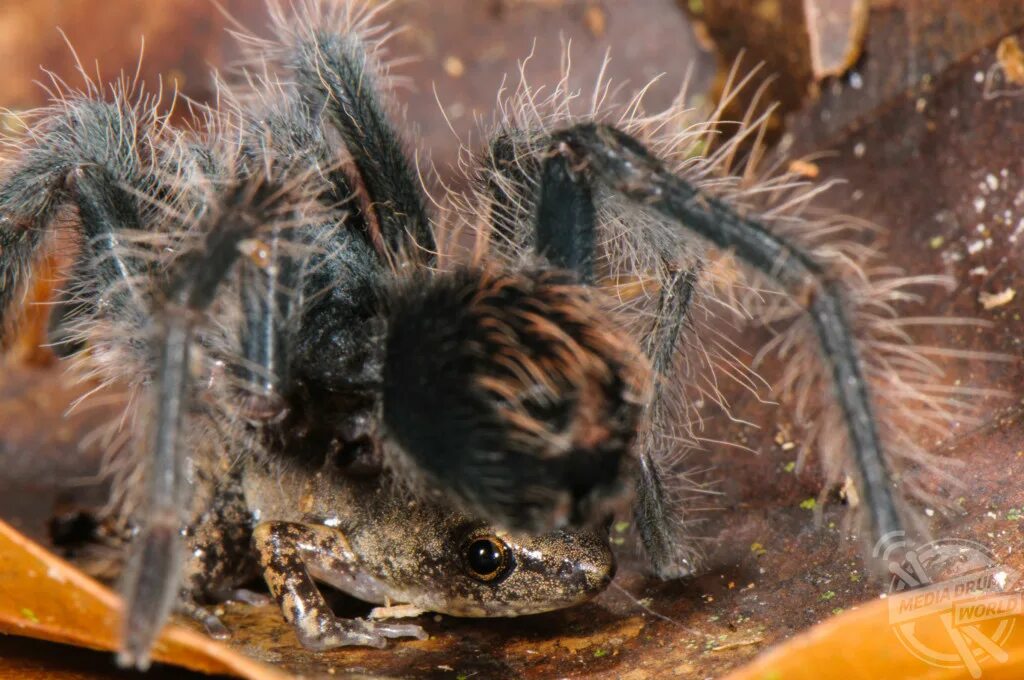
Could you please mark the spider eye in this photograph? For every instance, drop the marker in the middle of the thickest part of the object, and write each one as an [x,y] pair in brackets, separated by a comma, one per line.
[487,558]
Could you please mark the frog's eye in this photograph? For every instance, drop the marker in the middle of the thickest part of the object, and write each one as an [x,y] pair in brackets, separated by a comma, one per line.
[487,558]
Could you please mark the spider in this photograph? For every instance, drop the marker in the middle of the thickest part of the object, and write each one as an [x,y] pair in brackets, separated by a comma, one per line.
[273,286]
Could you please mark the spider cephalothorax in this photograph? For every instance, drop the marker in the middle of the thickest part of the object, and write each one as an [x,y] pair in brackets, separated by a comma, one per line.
[272,286]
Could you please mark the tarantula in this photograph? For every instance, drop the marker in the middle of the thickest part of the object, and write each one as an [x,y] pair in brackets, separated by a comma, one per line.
[273,286]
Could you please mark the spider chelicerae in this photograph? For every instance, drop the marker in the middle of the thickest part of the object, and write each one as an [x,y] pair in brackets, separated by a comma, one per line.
[272,285]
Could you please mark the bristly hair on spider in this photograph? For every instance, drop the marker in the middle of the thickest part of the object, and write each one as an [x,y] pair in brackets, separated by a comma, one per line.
[273,285]
[694,229]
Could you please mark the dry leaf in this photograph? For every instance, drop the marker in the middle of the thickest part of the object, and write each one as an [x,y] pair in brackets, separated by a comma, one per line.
[46,598]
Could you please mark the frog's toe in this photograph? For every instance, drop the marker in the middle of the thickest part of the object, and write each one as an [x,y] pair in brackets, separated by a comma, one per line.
[401,611]
[380,632]
[331,633]
[245,596]
[215,628]
[400,630]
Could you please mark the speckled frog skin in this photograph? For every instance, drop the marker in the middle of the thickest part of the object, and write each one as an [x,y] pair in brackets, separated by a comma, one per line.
[367,537]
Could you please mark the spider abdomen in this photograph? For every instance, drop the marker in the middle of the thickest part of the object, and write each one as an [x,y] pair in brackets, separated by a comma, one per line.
[484,367]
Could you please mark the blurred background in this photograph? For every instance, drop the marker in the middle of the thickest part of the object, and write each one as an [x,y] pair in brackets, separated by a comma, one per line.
[455,53]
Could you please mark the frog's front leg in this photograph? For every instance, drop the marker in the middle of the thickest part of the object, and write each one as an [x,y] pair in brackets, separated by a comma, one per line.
[287,552]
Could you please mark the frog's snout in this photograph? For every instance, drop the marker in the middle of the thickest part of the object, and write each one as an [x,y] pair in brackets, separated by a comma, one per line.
[560,569]
[606,573]
[589,562]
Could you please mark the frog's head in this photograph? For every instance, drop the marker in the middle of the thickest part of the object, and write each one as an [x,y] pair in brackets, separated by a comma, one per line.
[487,572]
[429,555]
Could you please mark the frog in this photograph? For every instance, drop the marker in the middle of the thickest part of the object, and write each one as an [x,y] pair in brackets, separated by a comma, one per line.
[372,538]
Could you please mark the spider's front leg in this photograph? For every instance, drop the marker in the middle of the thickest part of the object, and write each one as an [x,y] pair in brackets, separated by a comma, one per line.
[194,280]
[109,161]
[288,553]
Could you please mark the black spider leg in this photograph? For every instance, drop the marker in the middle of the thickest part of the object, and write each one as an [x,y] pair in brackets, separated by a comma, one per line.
[151,577]
[267,284]
[334,78]
[29,200]
[291,275]
[653,508]
[335,362]
[566,235]
[306,315]
[104,209]
[627,167]
[673,313]
[566,220]
[103,274]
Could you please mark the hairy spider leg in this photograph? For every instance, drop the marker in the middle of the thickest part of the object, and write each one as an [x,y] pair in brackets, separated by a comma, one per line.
[566,235]
[334,78]
[340,281]
[265,300]
[104,271]
[306,288]
[670,557]
[566,222]
[101,158]
[290,256]
[83,156]
[151,576]
[627,167]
